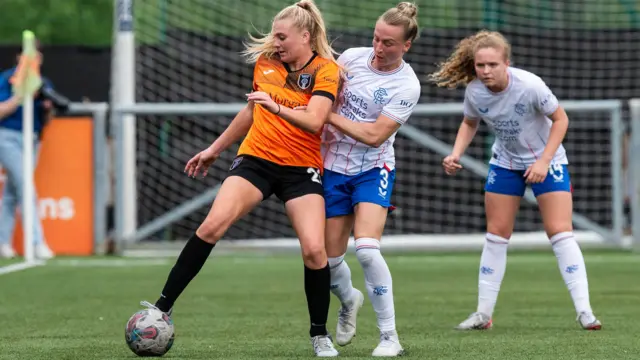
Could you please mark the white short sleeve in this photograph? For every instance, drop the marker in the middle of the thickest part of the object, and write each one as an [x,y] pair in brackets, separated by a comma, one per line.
[342,59]
[400,107]
[543,98]
[470,111]
[348,56]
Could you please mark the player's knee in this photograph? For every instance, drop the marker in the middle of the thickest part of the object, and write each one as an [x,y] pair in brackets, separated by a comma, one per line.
[335,248]
[314,255]
[502,231]
[555,229]
[212,229]
[557,226]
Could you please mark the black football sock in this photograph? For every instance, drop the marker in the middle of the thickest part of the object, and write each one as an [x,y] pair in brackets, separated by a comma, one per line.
[189,263]
[317,286]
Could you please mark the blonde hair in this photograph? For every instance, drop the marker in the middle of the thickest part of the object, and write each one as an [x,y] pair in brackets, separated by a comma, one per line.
[306,16]
[459,69]
[404,14]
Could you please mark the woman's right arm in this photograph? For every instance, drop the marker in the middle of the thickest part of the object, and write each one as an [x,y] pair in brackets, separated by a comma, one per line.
[238,128]
[466,133]
[8,107]
[469,125]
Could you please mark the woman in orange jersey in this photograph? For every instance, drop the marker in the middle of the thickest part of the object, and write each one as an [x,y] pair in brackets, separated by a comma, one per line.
[280,155]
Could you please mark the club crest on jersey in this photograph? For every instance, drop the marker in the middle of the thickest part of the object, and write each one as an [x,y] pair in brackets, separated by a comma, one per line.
[304,80]
[235,163]
[379,95]
[520,109]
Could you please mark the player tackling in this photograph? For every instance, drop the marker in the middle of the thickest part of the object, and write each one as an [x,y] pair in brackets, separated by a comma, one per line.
[281,155]
[380,92]
[529,125]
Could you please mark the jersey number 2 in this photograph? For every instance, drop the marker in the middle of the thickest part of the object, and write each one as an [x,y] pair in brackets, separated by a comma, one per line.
[315,175]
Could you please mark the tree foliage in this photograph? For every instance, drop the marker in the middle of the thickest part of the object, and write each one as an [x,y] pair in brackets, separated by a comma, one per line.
[58,22]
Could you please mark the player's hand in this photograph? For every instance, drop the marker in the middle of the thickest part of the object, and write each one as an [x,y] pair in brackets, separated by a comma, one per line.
[47,104]
[451,164]
[200,163]
[537,172]
[262,98]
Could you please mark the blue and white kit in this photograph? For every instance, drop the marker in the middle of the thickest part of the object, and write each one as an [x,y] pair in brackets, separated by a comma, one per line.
[355,172]
[519,118]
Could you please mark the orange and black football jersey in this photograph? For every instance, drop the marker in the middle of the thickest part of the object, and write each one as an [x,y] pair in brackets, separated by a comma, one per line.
[273,138]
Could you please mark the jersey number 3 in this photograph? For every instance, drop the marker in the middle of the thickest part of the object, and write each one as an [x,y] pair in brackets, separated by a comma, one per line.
[384,182]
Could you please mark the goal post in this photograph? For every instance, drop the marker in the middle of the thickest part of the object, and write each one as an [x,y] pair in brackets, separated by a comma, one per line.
[422,191]
[179,79]
[123,92]
[634,171]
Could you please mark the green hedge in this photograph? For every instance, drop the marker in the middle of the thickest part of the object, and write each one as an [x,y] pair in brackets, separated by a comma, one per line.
[89,22]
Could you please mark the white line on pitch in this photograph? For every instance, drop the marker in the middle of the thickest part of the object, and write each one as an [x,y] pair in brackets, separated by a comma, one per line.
[19,266]
[109,262]
[512,259]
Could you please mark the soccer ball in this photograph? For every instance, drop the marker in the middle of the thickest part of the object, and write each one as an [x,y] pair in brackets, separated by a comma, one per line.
[149,332]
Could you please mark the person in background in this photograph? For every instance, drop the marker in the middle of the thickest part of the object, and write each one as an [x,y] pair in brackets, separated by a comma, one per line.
[11,161]
[529,126]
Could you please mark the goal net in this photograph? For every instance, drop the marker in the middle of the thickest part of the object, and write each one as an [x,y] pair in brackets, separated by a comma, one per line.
[189,51]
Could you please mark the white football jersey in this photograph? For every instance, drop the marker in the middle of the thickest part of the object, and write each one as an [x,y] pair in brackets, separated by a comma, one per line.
[367,94]
[518,116]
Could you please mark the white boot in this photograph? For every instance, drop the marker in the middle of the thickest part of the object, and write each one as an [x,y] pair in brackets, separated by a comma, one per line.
[389,346]
[323,346]
[7,252]
[43,252]
[347,319]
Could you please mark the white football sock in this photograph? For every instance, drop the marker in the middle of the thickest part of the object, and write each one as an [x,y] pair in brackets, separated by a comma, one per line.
[572,268]
[493,263]
[377,278]
[341,285]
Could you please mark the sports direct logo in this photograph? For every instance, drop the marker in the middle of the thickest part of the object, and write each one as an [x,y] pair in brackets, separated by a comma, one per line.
[49,208]
[55,209]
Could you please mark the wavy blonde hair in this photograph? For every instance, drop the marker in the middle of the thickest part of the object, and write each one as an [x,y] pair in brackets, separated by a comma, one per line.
[404,14]
[306,16]
[459,68]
